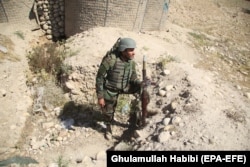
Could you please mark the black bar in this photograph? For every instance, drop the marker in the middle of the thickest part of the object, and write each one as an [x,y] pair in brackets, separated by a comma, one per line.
[178,158]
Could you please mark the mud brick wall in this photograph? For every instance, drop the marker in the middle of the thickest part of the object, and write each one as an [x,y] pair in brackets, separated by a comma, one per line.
[64,18]
[80,15]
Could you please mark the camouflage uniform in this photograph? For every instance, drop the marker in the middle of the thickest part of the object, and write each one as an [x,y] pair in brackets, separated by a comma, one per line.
[115,77]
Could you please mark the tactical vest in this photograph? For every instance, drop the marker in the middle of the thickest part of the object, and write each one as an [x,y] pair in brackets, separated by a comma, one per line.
[119,74]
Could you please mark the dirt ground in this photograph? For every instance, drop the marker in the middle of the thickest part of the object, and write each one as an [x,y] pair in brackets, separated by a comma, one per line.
[208,82]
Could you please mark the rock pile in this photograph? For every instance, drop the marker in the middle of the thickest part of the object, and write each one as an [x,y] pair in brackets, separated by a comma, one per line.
[50,17]
[168,106]
[169,102]
[81,84]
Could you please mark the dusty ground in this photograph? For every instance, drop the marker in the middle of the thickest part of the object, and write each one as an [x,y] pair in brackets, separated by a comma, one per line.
[210,48]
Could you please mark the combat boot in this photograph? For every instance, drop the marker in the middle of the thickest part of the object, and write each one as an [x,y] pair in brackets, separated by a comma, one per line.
[108,132]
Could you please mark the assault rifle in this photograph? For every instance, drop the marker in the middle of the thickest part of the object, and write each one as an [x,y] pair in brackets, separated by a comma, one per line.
[144,94]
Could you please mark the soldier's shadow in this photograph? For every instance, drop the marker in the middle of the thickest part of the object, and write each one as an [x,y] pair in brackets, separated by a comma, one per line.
[127,134]
[83,115]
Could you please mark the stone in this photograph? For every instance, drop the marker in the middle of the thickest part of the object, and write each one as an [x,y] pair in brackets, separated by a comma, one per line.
[140,134]
[166,121]
[176,120]
[169,87]
[247,94]
[87,159]
[162,93]
[3,92]
[164,136]
[70,85]
[45,27]
[3,49]
[49,37]
[166,72]
[101,155]
[169,128]
[174,105]
[122,146]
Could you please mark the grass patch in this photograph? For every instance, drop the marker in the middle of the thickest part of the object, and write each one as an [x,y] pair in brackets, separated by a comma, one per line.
[19,34]
[47,70]
[61,162]
[164,60]
[46,61]
[199,39]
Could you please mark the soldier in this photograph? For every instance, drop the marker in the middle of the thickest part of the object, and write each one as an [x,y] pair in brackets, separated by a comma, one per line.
[116,75]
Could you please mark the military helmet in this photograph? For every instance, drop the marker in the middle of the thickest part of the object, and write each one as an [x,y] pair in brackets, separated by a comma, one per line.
[126,43]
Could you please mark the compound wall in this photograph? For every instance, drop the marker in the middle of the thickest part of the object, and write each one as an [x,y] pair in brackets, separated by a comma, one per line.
[64,18]
[80,15]
[16,11]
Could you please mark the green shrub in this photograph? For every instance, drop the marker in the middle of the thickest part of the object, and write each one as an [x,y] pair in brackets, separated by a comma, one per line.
[61,162]
[164,60]
[47,68]
[19,34]
[47,60]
